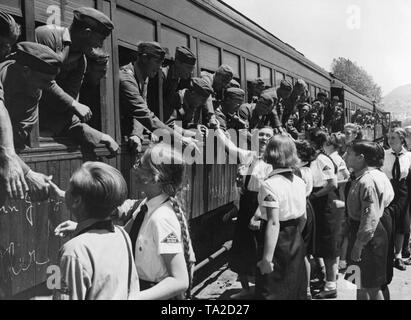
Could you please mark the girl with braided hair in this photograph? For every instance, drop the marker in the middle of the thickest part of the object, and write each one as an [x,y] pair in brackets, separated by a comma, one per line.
[158,230]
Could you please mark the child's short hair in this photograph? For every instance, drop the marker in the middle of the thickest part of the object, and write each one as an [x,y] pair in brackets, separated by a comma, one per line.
[356,129]
[101,187]
[305,151]
[318,137]
[167,167]
[281,152]
[337,140]
[373,153]
[402,134]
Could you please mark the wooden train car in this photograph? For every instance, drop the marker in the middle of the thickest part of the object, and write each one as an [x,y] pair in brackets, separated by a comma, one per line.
[218,34]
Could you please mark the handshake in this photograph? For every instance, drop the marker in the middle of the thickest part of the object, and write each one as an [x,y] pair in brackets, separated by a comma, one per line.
[15,184]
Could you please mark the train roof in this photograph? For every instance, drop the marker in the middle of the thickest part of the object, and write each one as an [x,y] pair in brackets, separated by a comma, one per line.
[227,12]
[260,32]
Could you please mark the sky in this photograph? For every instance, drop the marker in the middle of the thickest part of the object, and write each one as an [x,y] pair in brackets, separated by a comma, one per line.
[376,34]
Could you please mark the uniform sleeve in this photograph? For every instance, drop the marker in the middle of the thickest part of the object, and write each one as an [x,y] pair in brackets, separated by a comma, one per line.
[369,214]
[75,281]
[275,119]
[167,236]
[244,112]
[74,79]
[55,95]
[209,103]
[208,107]
[134,104]
[267,197]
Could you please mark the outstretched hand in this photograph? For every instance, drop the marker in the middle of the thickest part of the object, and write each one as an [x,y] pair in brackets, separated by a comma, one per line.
[65,228]
[12,177]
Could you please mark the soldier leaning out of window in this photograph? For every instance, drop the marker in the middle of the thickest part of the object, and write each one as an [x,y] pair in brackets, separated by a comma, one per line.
[136,116]
[97,65]
[60,112]
[22,80]
[186,117]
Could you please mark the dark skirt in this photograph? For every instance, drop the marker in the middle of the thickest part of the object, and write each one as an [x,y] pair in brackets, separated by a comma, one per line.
[327,228]
[399,207]
[288,281]
[243,254]
[387,222]
[309,230]
[373,264]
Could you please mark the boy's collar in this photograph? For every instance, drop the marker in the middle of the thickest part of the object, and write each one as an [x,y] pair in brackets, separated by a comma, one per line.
[86,224]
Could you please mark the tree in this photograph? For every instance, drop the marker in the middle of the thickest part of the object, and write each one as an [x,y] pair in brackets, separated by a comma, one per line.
[357,78]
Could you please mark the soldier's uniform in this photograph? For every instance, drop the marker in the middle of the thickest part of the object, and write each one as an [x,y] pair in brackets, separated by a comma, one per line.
[56,105]
[136,116]
[186,114]
[171,84]
[21,102]
[218,94]
[255,121]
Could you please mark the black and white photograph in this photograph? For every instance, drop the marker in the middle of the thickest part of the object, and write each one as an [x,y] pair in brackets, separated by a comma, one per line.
[207,153]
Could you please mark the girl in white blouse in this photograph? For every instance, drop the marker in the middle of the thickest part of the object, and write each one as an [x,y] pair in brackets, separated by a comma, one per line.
[281,273]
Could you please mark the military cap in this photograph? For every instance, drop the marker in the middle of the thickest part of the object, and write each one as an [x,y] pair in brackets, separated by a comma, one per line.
[201,87]
[38,57]
[234,93]
[234,84]
[268,96]
[94,19]
[321,94]
[301,84]
[6,22]
[225,70]
[152,49]
[185,55]
[336,98]
[286,85]
[258,82]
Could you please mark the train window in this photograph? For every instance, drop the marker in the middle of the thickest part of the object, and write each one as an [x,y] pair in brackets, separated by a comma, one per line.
[278,77]
[233,61]
[251,70]
[312,92]
[209,56]
[265,74]
[289,79]
[11,6]
[132,28]
[126,55]
[64,15]
[171,39]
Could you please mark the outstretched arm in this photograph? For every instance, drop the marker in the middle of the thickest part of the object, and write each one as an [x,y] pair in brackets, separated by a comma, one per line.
[11,172]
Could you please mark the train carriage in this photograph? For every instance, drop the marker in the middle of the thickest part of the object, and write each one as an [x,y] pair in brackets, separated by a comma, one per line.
[357,107]
[217,34]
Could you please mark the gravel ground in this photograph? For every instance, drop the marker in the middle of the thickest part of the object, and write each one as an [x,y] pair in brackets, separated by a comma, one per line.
[221,284]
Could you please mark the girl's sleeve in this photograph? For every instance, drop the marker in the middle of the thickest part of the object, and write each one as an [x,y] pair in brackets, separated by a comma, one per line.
[267,197]
[326,168]
[167,234]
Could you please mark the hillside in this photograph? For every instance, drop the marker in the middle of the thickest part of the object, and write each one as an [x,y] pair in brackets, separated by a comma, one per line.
[398,100]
